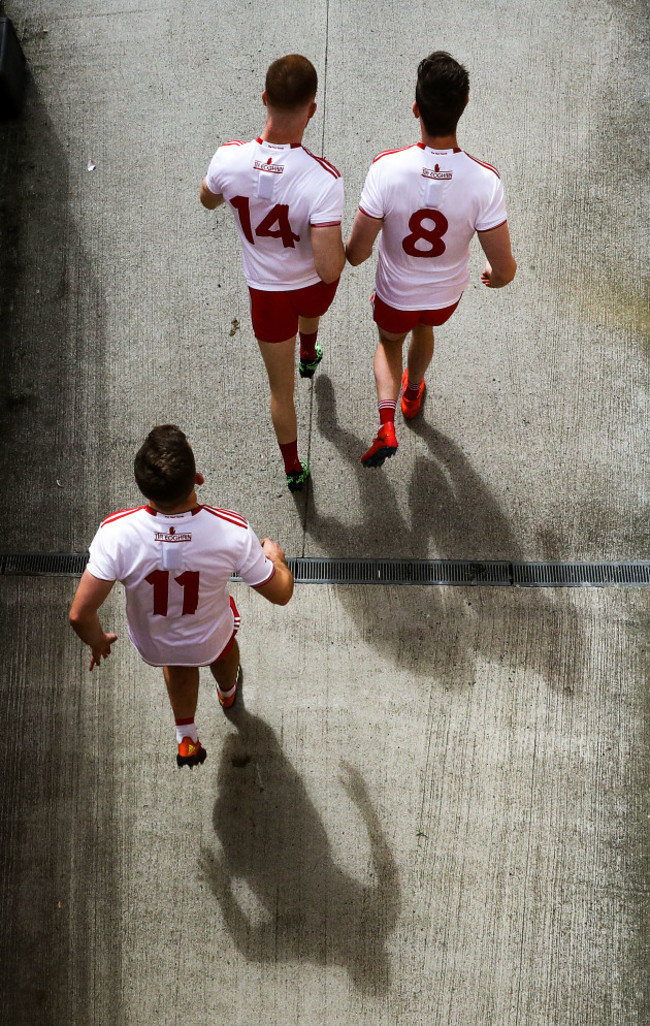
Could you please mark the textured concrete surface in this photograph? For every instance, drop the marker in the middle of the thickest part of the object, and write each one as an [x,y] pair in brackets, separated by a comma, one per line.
[119,292]
[445,818]
[431,808]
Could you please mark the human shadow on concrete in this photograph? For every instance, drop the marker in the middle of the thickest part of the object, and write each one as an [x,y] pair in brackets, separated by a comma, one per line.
[452,515]
[281,893]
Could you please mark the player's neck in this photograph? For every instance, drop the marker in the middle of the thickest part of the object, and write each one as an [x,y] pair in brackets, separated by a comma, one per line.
[283,131]
[440,142]
[183,507]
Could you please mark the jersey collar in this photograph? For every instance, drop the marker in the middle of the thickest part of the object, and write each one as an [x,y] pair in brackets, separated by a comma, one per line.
[278,146]
[456,149]
[174,516]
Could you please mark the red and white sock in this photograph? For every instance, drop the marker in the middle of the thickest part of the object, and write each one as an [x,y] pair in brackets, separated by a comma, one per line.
[387,411]
[412,390]
[186,728]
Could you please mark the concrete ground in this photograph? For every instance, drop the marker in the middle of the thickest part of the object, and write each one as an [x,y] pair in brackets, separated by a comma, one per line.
[432,806]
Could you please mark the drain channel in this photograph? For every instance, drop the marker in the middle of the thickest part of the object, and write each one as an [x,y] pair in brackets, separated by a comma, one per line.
[389,571]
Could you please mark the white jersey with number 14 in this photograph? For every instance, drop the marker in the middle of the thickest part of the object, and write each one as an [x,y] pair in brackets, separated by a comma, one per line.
[277,192]
[431,202]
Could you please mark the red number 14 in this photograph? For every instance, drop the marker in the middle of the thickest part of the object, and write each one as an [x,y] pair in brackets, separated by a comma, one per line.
[279,214]
[189,582]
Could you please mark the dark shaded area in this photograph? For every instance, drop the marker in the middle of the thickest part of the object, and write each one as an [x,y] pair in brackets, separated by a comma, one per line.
[58,890]
[53,415]
[272,838]
[452,511]
[60,910]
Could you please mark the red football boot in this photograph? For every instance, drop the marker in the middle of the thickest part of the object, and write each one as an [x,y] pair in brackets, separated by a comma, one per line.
[383,447]
[190,753]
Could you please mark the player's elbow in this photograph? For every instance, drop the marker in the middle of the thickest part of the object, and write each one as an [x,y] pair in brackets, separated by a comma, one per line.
[329,268]
[329,275]
[503,275]
[510,272]
[210,200]
[75,619]
[355,256]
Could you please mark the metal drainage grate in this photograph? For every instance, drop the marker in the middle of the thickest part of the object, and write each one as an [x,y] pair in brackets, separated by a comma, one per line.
[576,575]
[389,571]
[399,571]
[51,564]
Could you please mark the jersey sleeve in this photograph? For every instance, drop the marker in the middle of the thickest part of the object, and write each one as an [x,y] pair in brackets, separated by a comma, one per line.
[328,207]
[103,562]
[493,211]
[371,202]
[254,567]
[215,169]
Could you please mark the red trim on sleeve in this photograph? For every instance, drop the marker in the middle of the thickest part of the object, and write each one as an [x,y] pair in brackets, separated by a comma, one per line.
[227,514]
[372,216]
[482,163]
[234,142]
[482,231]
[262,583]
[400,149]
[325,164]
[326,224]
[123,513]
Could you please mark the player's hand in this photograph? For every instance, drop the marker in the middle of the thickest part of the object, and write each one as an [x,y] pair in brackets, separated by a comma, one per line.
[102,650]
[273,551]
[486,277]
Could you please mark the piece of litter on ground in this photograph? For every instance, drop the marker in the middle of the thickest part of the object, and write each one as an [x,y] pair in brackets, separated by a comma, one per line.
[235,326]
[58,483]
[91,164]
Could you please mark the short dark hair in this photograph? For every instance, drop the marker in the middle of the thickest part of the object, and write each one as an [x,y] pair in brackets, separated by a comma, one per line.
[291,82]
[441,92]
[164,466]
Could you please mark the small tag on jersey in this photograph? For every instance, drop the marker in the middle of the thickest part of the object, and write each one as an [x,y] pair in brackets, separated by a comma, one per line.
[435,181]
[433,190]
[265,183]
[171,557]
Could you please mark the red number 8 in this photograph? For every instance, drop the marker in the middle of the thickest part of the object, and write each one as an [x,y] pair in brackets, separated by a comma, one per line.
[430,235]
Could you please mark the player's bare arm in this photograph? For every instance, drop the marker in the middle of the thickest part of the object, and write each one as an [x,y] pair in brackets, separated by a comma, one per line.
[329,255]
[362,238]
[90,595]
[280,588]
[210,200]
[501,266]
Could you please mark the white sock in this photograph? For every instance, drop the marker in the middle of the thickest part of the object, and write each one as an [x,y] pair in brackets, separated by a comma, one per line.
[186,730]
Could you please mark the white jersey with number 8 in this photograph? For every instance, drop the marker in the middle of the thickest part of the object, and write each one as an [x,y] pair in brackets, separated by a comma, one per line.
[175,570]
[431,202]
[277,193]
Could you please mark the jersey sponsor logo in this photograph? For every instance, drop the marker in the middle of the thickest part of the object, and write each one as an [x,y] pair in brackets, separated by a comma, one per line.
[171,536]
[275,169]
[437,174]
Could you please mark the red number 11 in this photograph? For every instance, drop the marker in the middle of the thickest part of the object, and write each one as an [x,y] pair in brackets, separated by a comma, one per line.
[189,582]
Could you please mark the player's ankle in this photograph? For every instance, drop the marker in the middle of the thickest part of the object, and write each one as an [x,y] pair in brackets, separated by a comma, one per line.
[387,411]
[289,452]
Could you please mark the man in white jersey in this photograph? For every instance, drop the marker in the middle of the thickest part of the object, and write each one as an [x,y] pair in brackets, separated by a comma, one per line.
[175,558]
[427,200]
[288,207]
